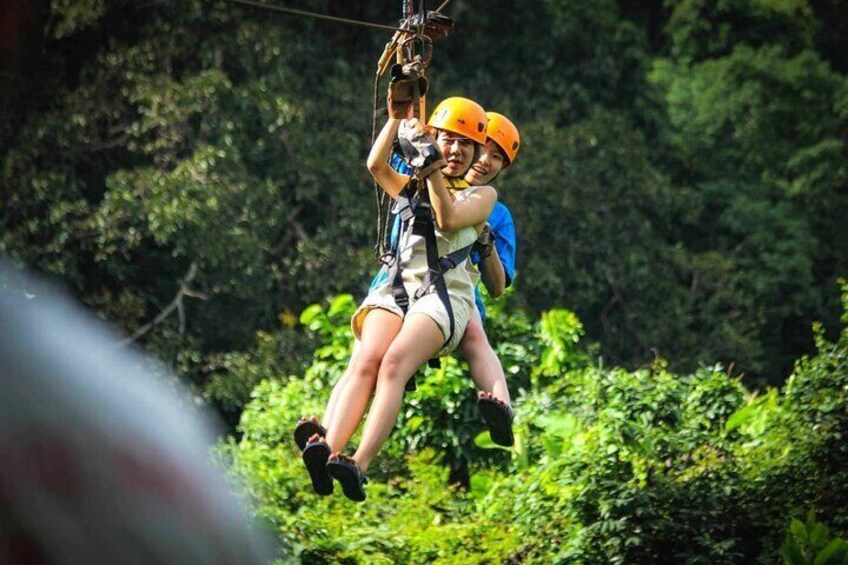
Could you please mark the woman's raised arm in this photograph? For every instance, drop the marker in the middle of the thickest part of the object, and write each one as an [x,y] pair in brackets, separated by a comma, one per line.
[378,160]
[451,215]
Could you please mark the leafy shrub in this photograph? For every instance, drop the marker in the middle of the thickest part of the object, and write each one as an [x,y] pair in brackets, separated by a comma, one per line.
[610,465]
[810,543]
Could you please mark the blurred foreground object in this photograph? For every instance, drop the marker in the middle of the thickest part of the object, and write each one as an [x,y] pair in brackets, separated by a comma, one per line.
[99,461]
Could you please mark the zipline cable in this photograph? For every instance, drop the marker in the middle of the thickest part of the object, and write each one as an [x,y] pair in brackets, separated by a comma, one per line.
[316,15]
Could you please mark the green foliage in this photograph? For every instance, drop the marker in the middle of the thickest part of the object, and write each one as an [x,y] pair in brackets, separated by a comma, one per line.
[71,16]
[610,465]
[707,28]
[758,239]
[811,543]
[681,190]
[612,237]
[680,186]
[170,149]
[583,57]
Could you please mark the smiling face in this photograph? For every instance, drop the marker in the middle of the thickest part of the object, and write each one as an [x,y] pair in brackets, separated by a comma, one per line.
[458,151]
[487,166]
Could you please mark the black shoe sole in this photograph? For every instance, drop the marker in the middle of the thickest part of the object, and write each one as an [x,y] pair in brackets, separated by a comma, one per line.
[498,420]
[349,478]
[305,430]
[315,458]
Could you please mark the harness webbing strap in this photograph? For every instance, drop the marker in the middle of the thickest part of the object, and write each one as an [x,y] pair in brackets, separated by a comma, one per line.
[443,265]
[413,207]
[436,268]
[405,207]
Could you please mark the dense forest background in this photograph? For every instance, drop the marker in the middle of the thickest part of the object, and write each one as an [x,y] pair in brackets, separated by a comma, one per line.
[194,172]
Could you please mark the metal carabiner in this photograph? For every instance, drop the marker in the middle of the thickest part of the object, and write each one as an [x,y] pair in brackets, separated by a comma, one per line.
[417,48]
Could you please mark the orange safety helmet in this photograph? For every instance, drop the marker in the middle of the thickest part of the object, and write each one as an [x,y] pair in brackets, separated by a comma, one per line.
[504,133]
[460,116]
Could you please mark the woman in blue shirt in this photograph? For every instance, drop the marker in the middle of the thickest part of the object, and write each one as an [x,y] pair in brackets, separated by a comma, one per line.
[496,260]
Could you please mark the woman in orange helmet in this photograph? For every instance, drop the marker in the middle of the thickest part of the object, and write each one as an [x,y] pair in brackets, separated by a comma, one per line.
[404,322]
[496,260]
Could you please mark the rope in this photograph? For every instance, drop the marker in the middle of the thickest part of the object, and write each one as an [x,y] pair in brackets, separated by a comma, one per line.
[379,195]
[423,13]
[384,210]
[314,15]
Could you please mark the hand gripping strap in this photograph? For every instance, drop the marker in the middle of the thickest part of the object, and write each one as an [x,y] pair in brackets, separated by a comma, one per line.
[419,151]
[408,83]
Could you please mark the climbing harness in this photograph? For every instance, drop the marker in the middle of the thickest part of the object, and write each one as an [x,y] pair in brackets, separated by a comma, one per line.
[416,218]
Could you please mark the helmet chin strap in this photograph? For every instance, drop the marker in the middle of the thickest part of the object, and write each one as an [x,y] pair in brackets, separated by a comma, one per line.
[460,176]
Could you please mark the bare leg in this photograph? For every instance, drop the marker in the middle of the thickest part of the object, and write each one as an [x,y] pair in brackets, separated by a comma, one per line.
[329,412]
[378,330]
[419,339]
[486,370]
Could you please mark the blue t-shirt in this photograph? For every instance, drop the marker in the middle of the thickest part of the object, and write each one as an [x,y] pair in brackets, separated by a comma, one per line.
[503,230]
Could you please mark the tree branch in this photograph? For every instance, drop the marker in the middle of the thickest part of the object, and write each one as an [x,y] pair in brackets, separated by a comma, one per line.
[176,304]
[295,231]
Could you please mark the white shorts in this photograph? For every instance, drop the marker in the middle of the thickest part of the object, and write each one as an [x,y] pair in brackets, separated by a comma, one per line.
[429,304]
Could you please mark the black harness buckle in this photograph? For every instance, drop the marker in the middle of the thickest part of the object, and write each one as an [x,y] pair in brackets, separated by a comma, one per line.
[446,263]
[401,298]
[388,258]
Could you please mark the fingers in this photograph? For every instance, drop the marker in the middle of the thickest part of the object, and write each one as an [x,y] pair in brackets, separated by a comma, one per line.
[398,103]
[399,111]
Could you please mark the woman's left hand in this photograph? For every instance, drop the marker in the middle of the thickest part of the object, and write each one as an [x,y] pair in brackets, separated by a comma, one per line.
[398,110]
[484,241]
